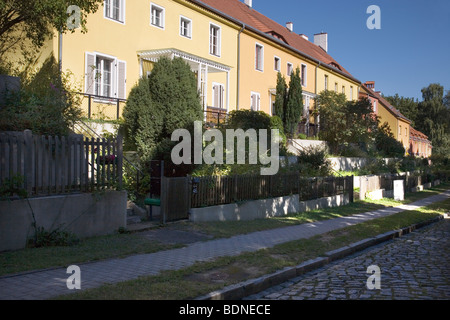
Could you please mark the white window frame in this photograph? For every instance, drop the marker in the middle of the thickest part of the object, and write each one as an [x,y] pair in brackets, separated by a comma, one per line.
[109,16]
[218,46]
[375,106]
[221,95]
[336,87]
[258,101]
[290,69]
[351,92]
[115,90]
[277,63]
[326,82]
[162,11]
[189,29]
[259,61]
[305,73]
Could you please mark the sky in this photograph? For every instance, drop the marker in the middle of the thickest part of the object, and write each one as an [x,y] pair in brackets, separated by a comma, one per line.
[410,51]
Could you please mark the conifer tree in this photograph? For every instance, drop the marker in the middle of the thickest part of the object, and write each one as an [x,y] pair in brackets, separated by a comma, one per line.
[294,104]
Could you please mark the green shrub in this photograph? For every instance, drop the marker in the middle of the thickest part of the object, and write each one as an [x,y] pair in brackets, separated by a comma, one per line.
[46,103]
[57,237]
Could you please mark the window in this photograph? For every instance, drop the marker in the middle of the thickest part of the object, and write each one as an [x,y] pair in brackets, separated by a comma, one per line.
[343,89]
[214,40]
[255,101]
[277,64]
[185,27]
[399,130]
[105,76]
[406,132]
[290,69]
[157,16]
[375,106]
[115,10]
[303,75]
[259,57]
[326,82]
[218,91]
[351,92]
[335,87]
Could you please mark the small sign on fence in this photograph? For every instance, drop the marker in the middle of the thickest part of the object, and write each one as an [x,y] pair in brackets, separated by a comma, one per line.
[399,192]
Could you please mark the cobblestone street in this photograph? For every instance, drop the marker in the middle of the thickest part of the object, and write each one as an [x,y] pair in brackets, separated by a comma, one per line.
[412,267]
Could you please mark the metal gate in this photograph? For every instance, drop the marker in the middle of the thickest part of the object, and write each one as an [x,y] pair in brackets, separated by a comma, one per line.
[175,198]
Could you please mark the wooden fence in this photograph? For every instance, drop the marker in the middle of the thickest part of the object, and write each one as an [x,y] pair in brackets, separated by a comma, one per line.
[217,190]
[49,165]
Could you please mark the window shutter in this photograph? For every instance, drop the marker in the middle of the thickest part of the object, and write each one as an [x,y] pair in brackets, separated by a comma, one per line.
[121,79]
[89,76]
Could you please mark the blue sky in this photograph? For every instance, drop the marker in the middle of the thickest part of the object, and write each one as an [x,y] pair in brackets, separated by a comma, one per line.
[410,51]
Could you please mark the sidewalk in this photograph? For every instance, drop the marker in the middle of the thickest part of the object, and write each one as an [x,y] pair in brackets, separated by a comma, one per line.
[46,284]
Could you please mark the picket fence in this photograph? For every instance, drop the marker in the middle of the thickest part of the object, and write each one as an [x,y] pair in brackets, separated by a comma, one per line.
[217,190]
[52,165]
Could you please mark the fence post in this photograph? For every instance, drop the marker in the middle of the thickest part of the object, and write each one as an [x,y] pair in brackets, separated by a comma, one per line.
[28,165]
[119,160]
[351,189]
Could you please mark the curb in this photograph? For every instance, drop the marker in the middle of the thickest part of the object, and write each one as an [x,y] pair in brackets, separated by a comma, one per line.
[253,286]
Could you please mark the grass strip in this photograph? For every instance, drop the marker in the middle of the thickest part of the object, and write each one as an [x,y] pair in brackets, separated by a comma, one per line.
[205,277]
[122,245]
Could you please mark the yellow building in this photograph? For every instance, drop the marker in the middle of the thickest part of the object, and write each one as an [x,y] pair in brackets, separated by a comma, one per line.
[398,123]
[235,51]
[267,47]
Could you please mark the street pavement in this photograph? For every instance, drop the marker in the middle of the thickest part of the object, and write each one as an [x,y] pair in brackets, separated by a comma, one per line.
[412,267]
[45,284]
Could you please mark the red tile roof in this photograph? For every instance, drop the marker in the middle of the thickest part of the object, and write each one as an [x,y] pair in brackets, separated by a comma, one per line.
[385,103]
[417,134]
[253,19]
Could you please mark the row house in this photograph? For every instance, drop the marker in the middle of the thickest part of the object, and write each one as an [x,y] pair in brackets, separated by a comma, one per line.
[414,142]
[397,122]
[235,52]
[420,146]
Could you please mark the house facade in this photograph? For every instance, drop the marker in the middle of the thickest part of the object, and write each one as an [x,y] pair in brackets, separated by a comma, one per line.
[235,52]
[400,125]
[420,146]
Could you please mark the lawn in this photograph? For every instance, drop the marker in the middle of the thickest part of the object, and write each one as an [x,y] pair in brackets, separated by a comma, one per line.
[121,245]
[206,277]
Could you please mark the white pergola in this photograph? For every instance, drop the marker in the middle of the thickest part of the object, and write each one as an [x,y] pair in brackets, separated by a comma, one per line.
[198,64]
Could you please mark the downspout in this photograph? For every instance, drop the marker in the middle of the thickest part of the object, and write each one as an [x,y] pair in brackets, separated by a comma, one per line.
[239,66]
[316,105]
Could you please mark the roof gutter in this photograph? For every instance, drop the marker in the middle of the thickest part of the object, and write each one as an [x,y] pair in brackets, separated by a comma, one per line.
[265,35]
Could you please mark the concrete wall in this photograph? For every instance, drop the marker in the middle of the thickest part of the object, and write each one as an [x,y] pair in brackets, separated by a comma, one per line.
[85,215]
[266,208]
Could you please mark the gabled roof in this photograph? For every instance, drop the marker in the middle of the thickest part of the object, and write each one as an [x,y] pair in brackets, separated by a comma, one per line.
[417,135]
[256,21]
[386,103]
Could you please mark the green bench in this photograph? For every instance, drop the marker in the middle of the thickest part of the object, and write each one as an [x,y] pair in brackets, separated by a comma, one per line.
[152,202]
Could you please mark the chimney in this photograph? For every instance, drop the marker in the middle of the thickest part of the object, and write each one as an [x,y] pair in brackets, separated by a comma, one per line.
[370,85]
[290,26]
[248,3]
[321,39]
[304,36]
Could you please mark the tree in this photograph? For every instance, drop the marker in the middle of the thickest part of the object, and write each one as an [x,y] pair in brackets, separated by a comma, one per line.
[386,144]
[45,104]
[36,20]
[434,117]
[281,96]
[157,106]
[333,124]
[294,104]
[344,122]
